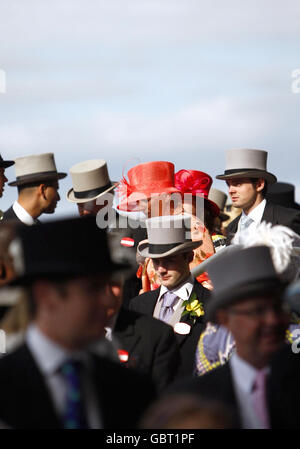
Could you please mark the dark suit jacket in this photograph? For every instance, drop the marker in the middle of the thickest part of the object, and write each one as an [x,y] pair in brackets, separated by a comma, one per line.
[283,395]
[151,345]
[26,402]
[145,304]
[274,214]
[9,215]
[217,385]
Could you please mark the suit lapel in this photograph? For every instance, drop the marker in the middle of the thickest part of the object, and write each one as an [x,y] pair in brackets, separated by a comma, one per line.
[191,321]
[150,302]
[269,213]
[232,229]
[125,332]
[35,398]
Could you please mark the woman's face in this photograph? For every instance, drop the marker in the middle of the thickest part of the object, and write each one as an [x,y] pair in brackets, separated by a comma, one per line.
[164,204]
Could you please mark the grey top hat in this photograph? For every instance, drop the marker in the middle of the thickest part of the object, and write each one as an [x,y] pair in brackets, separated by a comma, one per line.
[246,163]
[219,198]
[90,180]
[167,235]
[37,167]
[254,273]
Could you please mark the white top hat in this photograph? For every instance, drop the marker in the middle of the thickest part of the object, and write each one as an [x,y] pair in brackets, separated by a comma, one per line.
[247,163]
[167,236]
[90,180]
[36,167]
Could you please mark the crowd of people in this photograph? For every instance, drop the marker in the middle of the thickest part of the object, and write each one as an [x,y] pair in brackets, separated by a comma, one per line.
[165,304]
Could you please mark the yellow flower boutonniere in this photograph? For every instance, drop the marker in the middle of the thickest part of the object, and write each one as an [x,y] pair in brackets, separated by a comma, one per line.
[193,307]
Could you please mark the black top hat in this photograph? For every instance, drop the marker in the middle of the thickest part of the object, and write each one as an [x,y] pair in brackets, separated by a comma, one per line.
[4,163]
[241,274]
[282,193]
[61,249]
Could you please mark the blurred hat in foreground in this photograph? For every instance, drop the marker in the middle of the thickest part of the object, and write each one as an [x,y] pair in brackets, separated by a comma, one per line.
[61,249]
[283,194]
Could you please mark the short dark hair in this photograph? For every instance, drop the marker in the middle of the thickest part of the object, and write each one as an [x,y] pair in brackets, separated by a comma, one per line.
[265,189]
[47,182]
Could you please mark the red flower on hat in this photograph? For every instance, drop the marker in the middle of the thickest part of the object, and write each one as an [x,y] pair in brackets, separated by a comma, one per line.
[196,183]
[192,181]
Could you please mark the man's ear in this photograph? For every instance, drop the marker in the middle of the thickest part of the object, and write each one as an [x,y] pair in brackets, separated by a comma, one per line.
[41,190]
[260,184]
[190,256]
[44,294]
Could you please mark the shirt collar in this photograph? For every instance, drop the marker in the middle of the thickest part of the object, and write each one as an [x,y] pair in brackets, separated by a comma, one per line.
[183,291]
[22,214]
[48,354]
[244,374]
[257,213]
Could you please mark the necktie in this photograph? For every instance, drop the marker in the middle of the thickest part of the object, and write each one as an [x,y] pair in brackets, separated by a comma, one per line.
[74,414]
[245,222]
[259,399]
[166,310]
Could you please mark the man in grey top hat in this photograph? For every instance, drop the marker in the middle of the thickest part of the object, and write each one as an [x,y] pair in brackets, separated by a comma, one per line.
[91,183]
[247,178]
[180,300]
[37,183]
[149,345]
[250,306]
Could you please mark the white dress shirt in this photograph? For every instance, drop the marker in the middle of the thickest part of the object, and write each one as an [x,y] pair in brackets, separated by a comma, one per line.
[23,215]
[256,215]
[243,380]
[49,357]
[183,292]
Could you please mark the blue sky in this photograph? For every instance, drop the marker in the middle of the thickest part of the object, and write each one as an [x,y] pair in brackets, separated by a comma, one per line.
[137,80]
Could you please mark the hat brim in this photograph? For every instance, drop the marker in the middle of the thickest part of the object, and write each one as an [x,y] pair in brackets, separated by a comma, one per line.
[71,197]
[143,249]
[66,273]
[250,174]
[37,177]
[6,164]
[227,298]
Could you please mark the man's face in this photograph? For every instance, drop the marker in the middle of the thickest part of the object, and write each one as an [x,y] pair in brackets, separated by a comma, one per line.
[173,270]
[258,325]
[80,311]
[89,208]
[51,197]
[3,180]
[243,192]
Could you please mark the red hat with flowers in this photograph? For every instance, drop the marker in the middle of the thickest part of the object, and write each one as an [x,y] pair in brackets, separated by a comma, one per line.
[196,183]
[145,180]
